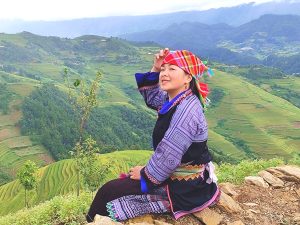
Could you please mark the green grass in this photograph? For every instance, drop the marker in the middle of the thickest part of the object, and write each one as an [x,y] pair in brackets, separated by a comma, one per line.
[236,173]
[59,178]
[68,209]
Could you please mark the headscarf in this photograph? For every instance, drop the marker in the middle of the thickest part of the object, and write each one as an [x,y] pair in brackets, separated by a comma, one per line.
[192,65]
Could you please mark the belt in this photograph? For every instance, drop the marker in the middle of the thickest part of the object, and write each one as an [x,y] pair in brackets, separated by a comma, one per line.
[188,172]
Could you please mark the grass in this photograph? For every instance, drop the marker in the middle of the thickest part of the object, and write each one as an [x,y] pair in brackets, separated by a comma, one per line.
[236,173]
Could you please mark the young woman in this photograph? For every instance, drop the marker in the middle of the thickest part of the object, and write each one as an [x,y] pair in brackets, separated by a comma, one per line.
[179,177]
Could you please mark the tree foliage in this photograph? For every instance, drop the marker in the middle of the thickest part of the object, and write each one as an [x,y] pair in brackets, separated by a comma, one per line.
[28,178]
[5,97]
[48,117]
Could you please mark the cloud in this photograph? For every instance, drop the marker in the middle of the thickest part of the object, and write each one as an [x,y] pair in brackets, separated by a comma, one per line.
[69,9]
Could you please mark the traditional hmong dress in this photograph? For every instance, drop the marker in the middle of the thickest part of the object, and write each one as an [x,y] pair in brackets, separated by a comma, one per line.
[179,177]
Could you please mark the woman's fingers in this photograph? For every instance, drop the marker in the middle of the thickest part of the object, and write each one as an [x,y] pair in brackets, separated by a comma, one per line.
[161,53]
[166,51]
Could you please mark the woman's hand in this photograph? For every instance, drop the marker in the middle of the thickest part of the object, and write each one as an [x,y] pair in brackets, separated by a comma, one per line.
[135,172]
[158,59]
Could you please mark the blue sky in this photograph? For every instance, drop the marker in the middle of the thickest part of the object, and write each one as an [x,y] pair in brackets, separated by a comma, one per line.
[70,9]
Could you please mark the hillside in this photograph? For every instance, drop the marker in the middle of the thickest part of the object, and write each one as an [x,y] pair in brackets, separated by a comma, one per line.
[16,148]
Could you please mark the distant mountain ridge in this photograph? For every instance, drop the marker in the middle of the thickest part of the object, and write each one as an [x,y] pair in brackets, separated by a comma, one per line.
[117,25]
[261,41]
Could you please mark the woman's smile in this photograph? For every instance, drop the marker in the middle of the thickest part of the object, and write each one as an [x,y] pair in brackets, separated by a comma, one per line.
[164,81]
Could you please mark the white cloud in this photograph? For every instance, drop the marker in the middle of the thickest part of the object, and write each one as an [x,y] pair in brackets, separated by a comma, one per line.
[68,9]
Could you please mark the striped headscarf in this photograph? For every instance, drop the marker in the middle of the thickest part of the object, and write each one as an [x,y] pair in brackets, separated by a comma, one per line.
[191,64]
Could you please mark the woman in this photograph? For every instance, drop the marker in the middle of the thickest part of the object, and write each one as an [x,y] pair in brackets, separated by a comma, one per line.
[179,177]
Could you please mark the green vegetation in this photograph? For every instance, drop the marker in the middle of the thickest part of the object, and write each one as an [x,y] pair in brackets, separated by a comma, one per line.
[271,80]
[84,151]
[246,117]
[253,114]
[60,179]
[288,64]
[236,173]
[28,178]
[5,98]
[49,118]
[15,149]
[69,209]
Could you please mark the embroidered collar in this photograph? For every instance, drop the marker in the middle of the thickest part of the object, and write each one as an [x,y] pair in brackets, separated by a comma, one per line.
[176,100]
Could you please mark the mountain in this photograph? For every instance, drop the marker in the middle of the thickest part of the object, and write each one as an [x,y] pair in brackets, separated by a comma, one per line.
[269,26]
[114,26]
[266,40]
[246,119]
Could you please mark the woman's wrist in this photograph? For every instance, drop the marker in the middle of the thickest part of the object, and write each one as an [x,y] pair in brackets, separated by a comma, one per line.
[155,69]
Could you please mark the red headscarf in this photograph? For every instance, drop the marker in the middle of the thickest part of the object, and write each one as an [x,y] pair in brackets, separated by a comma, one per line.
[191,64]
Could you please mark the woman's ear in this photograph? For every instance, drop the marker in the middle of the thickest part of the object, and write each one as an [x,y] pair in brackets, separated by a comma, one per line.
[189,78]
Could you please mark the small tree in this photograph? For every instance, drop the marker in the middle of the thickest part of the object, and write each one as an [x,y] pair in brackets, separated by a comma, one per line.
[92,171]
[83,101]
[28,178]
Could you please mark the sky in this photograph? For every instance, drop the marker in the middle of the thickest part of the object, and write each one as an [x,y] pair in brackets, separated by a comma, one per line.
[70,9]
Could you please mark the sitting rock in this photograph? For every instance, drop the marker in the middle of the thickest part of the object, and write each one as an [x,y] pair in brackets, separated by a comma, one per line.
[103,220]
[141,220]
[287,173]
[227,204]
[228,188]
[209,217]
[255,180]
[270,179]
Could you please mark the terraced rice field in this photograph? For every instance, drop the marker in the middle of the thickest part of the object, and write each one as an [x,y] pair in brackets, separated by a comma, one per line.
[15,149]
[249,113]
[59,178]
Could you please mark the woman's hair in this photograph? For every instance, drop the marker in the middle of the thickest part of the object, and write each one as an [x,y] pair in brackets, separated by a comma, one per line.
[194,88]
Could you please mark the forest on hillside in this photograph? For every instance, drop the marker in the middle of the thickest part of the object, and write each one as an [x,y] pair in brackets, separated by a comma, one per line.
[49,118]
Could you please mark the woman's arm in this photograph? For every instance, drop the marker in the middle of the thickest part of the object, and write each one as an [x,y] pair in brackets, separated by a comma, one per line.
[149,88]
[148,83]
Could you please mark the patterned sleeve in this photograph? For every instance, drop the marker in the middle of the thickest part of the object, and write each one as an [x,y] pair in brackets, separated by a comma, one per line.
[188,125]
[148,86]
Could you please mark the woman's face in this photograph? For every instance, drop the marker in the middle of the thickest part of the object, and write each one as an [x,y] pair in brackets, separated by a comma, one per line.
[173,79]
